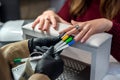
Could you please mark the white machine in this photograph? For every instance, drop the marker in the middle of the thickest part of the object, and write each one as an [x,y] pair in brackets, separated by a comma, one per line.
[97,46]
[28,32]
[11,31]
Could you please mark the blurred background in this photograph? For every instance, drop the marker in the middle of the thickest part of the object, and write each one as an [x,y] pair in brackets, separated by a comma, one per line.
[26,9]
[16,13]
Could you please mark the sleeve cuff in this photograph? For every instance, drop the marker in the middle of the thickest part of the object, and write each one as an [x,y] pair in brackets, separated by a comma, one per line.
[113,27]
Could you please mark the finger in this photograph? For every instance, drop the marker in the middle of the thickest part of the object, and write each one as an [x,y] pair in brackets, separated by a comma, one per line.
[46,25]
[57,57]
[76,29]
[72,31]
[41,23]
[35,22]
[74,22]
[50,51]
[39,49]
[87,35]
[82,33]
[53,21]
[67,29]
[61,35]
[59,52]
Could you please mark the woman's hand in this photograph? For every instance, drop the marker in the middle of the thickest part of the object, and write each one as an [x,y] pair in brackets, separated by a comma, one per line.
[84,30]
[48,17]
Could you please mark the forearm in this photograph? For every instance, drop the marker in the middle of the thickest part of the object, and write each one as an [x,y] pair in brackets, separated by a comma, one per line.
[15,50]
[38,77]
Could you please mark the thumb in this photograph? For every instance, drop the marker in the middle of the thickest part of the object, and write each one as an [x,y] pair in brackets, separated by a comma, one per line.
[50,51]
[74,22]
[57,55]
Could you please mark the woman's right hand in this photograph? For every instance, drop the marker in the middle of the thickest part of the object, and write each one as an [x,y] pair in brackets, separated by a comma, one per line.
[46,18]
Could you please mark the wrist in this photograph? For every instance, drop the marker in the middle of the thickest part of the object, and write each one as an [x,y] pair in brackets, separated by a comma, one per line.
[109,24]
[48,11]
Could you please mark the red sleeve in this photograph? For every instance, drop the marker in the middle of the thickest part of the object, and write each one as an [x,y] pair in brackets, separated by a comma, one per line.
[115,31]
[116,26]
[64,11]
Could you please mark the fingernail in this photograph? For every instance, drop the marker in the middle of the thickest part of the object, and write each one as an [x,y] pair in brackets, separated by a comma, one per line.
[44,29]
[39,28]
[54,25]
[82,41]
[32,27]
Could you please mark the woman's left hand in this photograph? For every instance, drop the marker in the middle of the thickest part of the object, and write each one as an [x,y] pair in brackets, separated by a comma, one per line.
[83,30]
